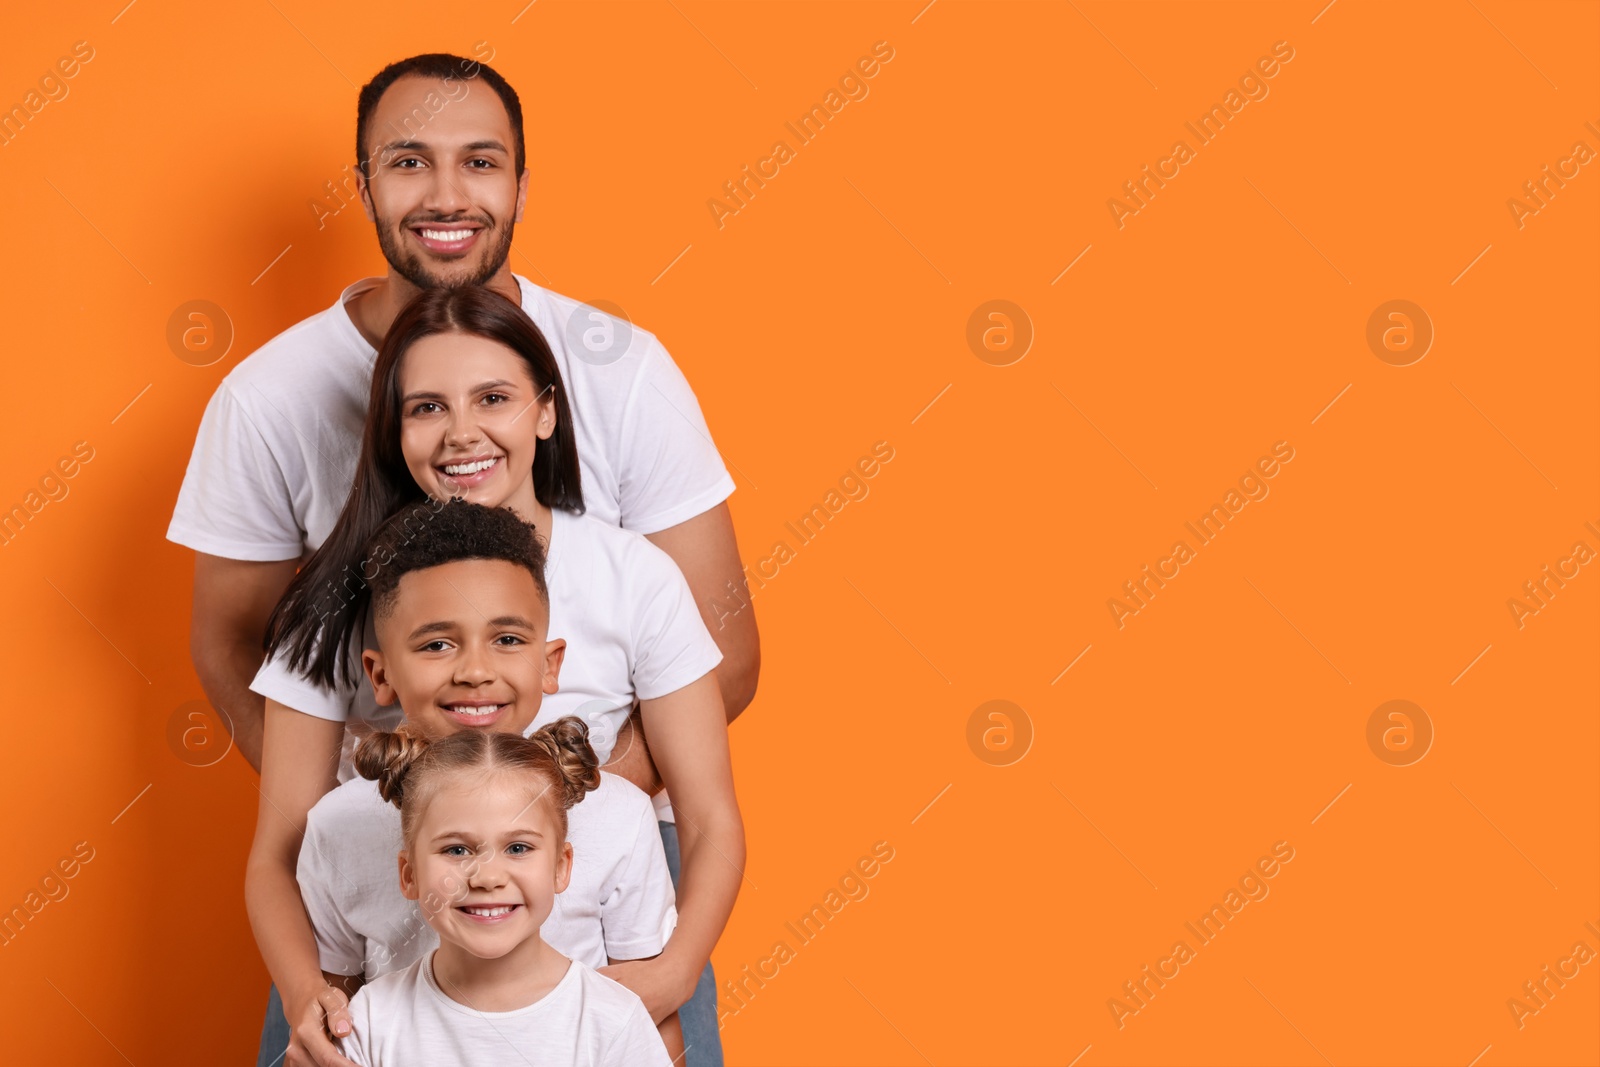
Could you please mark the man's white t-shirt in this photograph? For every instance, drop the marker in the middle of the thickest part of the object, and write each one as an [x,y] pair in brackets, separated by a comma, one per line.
[618,904]
[625,610]
[276,452]
[587,1020]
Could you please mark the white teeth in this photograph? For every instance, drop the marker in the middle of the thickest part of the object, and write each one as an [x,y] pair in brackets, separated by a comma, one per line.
[468,468]
[446,235]
[485,709]
[490,913]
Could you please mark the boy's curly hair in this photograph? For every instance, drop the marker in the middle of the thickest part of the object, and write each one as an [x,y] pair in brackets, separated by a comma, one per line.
[430,534]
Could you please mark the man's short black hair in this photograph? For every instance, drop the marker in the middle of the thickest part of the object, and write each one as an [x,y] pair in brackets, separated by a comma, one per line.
[443,67]
[430,534]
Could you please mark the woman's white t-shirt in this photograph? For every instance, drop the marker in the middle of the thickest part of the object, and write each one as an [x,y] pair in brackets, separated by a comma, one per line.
[405,1020]
[618,904]
[625,610]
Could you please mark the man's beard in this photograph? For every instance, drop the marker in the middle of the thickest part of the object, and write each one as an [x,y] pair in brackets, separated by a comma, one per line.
[409,265]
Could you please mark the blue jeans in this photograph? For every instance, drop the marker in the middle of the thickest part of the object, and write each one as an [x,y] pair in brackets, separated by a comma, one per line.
[702,1039]
[274,1033]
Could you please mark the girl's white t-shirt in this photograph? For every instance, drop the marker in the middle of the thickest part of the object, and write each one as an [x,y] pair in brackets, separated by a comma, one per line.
[625,610]
[405,1020]
[618,904]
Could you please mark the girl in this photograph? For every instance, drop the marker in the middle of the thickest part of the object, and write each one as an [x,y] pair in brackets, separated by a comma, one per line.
[483,817]
[467,402]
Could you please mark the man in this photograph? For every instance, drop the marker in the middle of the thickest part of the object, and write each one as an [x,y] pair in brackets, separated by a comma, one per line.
[443,178]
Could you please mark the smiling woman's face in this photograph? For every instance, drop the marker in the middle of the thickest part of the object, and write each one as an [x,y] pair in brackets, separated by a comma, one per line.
[471,419]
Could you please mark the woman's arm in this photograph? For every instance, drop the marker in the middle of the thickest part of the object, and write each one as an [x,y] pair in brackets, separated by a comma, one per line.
[688,737]
[300,761]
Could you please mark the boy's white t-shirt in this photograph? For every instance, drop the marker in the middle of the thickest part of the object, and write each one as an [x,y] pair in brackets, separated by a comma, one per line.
[587,1020]
[617,905]
[276,451]
[625,610]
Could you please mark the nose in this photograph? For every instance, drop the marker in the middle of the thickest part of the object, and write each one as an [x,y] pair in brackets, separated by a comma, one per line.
[445,196]
[462,430]
[486,872]
[474,667]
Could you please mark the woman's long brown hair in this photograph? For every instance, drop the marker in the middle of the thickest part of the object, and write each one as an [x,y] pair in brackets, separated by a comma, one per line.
[313,623]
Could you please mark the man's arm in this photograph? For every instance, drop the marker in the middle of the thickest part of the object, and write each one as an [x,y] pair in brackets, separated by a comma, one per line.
[232,600]
[705,549]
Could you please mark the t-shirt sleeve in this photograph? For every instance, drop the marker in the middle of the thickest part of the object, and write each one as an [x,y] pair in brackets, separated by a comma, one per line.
[355,1045]
[637,1042]
[637,909]
[670,470]
[671,645]
[276,680]
[235,501]
[340,949]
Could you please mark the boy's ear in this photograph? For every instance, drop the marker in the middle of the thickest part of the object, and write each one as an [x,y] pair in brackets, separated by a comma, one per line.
[408,878]
[554,652]
[372,663]
[564,867]
[522,194]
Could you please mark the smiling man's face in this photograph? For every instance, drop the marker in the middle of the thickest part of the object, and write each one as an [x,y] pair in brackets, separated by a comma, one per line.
[442,189]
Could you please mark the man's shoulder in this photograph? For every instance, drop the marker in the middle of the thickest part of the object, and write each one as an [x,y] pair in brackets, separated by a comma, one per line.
[570,320]
[317,348]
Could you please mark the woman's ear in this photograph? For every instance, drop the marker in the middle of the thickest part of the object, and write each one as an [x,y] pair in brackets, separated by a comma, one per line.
[545,425]
[383,691]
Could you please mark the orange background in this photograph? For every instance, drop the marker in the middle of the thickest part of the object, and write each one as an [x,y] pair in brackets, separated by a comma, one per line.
[820,319]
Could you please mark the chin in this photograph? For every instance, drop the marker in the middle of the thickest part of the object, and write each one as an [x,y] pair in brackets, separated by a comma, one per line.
[488,952]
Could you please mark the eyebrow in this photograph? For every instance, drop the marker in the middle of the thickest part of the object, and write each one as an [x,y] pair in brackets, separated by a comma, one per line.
[423,146]
[439,627]
[464,836]
[498,383]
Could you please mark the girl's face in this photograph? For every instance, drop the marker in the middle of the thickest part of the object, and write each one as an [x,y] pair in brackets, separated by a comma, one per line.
[470,420]
[485,863]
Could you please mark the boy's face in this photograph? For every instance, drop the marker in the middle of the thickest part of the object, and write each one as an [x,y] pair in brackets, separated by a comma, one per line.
[443,193]
[485,862]
[463,647]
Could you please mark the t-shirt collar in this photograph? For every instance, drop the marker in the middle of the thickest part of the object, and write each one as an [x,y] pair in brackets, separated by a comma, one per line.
[347,326]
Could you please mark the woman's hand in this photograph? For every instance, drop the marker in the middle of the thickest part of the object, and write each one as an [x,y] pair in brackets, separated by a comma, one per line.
[310,1044]
[659,981]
